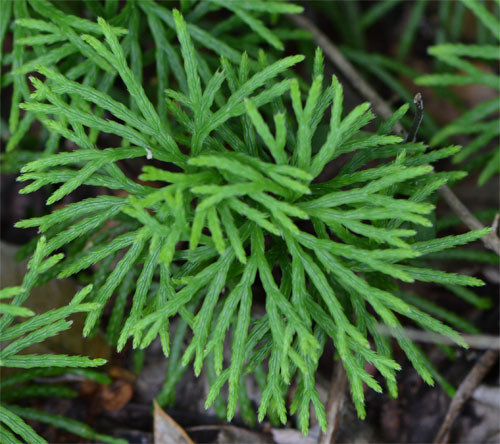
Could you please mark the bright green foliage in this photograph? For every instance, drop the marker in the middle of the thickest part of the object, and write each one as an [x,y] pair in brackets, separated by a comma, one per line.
[250,180]
[480,122]
[19,336]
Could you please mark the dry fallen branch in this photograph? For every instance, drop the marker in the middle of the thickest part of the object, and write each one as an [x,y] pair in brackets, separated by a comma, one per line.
[485,342]
[336,398]
[491,240]
[464,392]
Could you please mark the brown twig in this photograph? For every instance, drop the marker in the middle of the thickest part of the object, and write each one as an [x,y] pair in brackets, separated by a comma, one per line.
[464,392]
[478,342]
[203,427]
[491,240]
[336,397]
[381,107]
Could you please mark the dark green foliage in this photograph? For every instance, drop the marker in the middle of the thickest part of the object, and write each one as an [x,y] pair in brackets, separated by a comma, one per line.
[457,64]
[481,121]
[33,331]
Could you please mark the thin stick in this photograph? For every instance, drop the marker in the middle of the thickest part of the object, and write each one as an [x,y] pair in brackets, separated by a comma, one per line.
[204,427]
[464,392]
[491,240]
[478,342]
[381,107]
[336,397]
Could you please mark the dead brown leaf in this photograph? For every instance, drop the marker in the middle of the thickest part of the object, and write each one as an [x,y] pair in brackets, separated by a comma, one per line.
[117,395]
[166,430]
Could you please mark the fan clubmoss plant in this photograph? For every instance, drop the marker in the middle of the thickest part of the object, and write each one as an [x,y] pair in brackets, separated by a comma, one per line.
[253,181]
